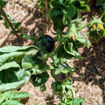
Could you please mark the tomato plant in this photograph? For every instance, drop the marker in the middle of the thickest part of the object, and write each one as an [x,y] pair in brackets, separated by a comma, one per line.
[64,14]
[19,65]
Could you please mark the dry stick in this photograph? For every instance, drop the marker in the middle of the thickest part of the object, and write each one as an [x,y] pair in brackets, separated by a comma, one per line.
[10,24]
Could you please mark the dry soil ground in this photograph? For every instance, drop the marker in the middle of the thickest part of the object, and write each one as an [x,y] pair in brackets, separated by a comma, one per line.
[89,79]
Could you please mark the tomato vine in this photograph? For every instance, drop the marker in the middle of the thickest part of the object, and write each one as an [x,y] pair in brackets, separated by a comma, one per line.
[23,64]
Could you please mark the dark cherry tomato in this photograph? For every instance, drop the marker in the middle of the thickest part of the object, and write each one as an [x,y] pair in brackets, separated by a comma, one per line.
[46,43]
[62,76]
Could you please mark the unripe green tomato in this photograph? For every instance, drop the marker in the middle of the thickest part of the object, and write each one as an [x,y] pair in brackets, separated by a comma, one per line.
[43,88]
[57,87]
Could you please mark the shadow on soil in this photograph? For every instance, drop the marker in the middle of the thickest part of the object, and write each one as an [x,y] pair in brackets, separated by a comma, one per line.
[94,64]
[50,100]
[35,24]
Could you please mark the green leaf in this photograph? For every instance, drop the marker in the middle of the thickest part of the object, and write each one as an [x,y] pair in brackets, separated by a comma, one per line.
[28,37]
[7,49]
[16,25]
[28,60]
[9,65]
[12,70]
[83,41]
[12,86]
[10,56]
[61,1]
[11,98]
[57,3]
[69,48]
[77,101]
[40,79]
[12,102]
[58,23]
[22,75]
[68,101]
[34,64]
[8,94]
[2,97]
[5,23]
[16,75]
[64,89]
[69,10]
[3,3]
[54,12]
[62,69]
[36,71]
[11,74]
[20,95]
[64,54]
[32,0]
[66,20]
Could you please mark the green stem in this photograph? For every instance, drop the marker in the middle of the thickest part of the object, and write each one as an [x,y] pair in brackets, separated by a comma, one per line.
[102,15]
[79,29]
[88,24]
[60,39]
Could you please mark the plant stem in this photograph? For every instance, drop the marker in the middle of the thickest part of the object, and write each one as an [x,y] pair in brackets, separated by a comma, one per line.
[46,7]
[79,29]
[102,15]
[92,22]
[9,23]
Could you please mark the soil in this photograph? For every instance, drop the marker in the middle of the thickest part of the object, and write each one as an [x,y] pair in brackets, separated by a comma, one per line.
[89,76]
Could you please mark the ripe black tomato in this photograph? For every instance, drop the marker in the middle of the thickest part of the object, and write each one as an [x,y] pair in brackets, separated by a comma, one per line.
[46,43]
